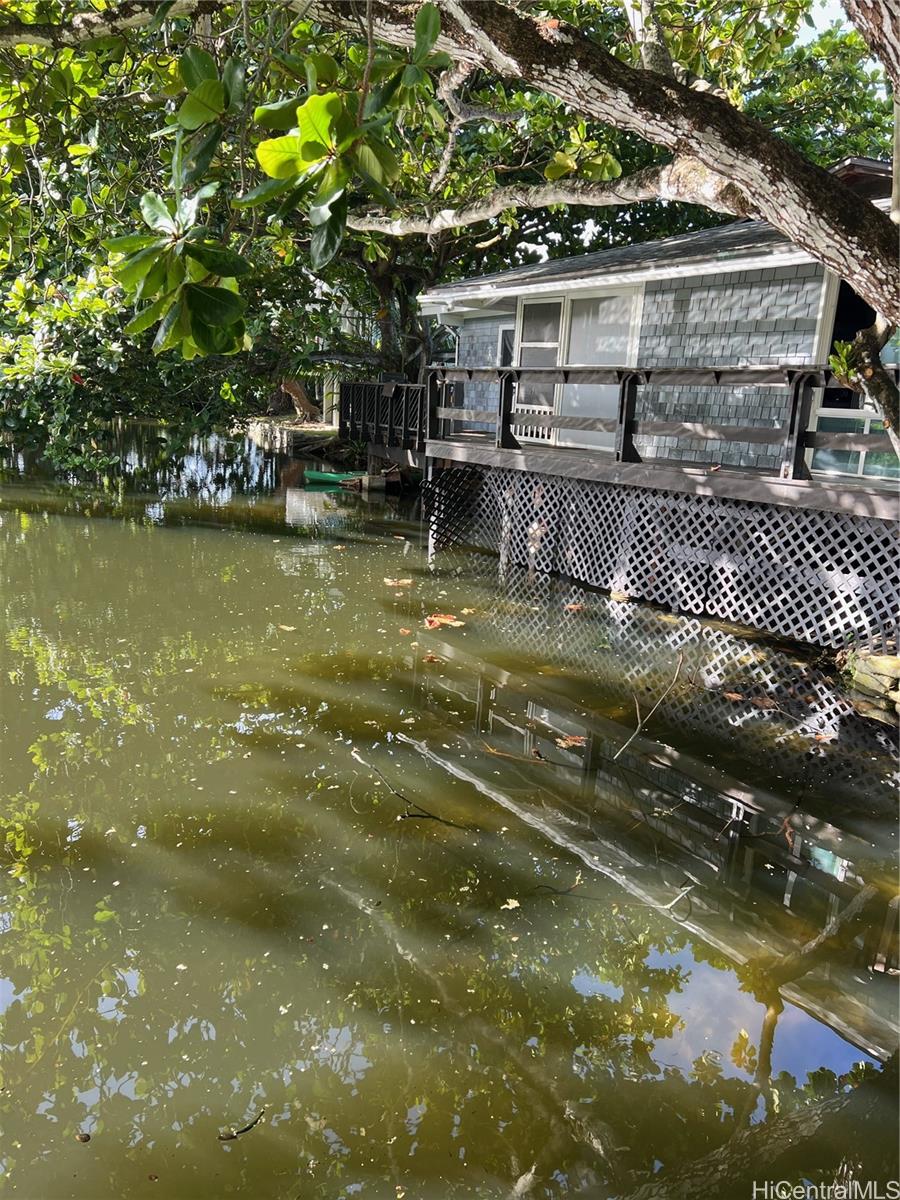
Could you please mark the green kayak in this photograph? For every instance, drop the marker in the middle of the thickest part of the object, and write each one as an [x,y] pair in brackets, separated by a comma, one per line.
[330,476]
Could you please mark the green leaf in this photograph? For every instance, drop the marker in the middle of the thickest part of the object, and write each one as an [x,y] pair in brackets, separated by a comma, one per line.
[601,168]
[321,69]
[377,161]
[190,205]
[260,194]
[333,180]
[213,339]
[147,316]
[428,27]
[78,207]
[213,305]
[380,97]
[153,280]
[327,237]
[285,157]
[130,242]
[168,330]
[80,150]
[199,153]
[316,119]
[559,165]
[155,213]
[104,914]
[195,67]
[412,75]
[132,270]
[217,260]
[280,114]
[233,80]
[202,105]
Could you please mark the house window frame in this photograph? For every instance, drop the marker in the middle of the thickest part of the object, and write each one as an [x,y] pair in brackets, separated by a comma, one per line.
[565,300]
[865,413]
[505,327]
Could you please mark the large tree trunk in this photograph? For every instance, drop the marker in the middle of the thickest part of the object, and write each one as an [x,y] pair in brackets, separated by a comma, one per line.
[879,23]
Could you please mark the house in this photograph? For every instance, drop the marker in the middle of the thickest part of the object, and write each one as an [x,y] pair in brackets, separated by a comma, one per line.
[737,295]
[659,419]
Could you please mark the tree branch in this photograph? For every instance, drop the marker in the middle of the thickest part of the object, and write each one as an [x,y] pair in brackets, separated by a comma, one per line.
[816,211]
[684,180]
[130,14]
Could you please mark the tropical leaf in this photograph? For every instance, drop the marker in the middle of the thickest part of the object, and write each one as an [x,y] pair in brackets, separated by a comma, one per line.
[202,105]
[217,260]
[155,213]
[213,305]
[195,67]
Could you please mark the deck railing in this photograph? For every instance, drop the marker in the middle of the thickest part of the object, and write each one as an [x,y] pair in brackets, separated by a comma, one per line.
[408,415]
[384,414]
[792,436]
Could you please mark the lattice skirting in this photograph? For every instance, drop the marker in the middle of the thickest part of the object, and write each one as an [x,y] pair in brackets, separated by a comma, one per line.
[820,577]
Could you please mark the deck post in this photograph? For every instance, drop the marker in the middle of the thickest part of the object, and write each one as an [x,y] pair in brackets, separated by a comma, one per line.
[625,448]
[504,438]
[432,403]
[793,463]
[344,407]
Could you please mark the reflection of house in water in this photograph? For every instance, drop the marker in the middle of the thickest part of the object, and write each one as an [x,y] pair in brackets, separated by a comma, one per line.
[743,869]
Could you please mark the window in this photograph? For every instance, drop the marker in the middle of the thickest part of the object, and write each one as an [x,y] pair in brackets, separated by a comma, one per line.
[602,331]
[539,347]
[869,464]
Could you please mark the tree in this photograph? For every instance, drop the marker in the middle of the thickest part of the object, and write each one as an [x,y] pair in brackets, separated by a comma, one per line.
[358,118]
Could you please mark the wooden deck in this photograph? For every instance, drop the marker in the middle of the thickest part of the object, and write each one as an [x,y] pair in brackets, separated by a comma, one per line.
[432,426]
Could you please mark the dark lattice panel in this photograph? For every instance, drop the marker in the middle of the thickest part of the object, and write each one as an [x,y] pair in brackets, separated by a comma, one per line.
[813,733]
[813,576]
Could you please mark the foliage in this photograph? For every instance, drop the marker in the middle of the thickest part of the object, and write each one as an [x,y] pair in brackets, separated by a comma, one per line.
[199,177]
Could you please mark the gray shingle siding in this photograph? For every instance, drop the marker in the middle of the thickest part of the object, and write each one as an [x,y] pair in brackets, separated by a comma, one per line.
[743,318]
[478,348]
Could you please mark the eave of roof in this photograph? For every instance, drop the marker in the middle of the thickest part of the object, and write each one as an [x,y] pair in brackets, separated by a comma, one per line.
[740,245]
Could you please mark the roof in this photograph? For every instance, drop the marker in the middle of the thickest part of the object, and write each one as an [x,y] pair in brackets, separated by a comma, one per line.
[739,245]
[726,244]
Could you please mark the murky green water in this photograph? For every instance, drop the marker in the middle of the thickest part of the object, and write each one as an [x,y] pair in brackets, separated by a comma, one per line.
[274,846]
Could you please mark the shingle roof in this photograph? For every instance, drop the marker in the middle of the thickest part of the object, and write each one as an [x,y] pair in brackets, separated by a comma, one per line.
[737,240]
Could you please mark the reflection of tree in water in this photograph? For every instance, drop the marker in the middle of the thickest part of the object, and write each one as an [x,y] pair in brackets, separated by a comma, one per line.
[443,1024]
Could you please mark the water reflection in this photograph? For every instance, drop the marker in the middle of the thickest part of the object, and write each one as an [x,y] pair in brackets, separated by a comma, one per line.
[272,844]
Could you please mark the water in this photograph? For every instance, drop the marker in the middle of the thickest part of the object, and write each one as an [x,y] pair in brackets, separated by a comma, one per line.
[274,846]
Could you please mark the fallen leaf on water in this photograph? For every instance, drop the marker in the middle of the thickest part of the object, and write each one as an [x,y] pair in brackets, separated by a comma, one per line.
[511,904]
[405,632]
[395,583]
[763,702]
[733,695]
[571,739]
[82,1137]
[574,607]
[340,547]
[467,612]
[436,620]
[432,658]
[288,628]
[826,737]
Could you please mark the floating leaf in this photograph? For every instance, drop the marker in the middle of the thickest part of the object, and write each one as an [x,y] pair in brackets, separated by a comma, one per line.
[288,628]
[574,608]
[733,696]
[571,739]
[511,904]
[395,583]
